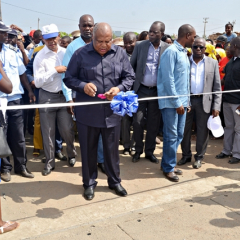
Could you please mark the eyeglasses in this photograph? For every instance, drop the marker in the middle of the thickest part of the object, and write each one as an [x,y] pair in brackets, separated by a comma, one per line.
[196,47]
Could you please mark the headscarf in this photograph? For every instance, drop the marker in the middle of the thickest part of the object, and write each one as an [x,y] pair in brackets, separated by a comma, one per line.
[221,52]
[210,49]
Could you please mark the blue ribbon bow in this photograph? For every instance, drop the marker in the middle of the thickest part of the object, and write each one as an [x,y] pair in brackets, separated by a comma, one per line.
[125,103]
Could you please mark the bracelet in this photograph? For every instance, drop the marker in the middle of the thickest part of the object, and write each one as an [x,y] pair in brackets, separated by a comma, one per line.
[1,76]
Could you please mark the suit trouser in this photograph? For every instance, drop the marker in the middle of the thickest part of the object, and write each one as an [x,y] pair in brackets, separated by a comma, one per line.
[202,130]
[88,140]
[150,110]
[127,141]
[48,117]
[231,142]
[15,139]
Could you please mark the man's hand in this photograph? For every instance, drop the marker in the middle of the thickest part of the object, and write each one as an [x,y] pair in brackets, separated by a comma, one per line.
[112,93]
[20,46]
[13,26]
[90,89]
[238,107]
[215,113]
[70,108]
[61,69]
[189,109]
[32,97]
[32,84]
[180,110]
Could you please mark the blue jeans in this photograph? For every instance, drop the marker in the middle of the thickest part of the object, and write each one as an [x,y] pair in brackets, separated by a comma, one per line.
[100,158]
[173,130]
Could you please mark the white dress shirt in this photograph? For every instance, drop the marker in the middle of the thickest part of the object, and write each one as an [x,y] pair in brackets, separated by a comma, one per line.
[197,76]
[45,74]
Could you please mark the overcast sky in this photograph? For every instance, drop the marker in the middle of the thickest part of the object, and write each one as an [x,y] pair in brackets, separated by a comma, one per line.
[124,15]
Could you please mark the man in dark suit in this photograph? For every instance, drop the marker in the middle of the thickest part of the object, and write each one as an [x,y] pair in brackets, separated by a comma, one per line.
[97,68]
[204,78]
[145,61]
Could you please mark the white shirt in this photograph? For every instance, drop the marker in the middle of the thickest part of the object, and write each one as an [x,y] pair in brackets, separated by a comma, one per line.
[45,74]
[197,76]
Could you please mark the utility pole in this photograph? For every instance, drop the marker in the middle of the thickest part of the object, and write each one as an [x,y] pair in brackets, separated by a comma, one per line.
[233,23]
[0,11]
[38,23]
[205,22]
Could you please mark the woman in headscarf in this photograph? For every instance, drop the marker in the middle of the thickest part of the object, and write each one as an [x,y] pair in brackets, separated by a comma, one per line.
[210,51]
[220,54]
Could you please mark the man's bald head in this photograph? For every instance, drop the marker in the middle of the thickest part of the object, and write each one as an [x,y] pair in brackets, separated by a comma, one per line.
[186,35]
[129,40]
[102,28]
[200,40]
[102,38]
[236,42]
[86,24]
[129,36]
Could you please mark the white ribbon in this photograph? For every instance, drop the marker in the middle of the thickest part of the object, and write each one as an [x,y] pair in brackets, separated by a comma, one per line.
[55,105]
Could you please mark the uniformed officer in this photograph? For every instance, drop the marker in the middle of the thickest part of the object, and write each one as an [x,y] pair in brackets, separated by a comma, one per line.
[99,67]
[15,70]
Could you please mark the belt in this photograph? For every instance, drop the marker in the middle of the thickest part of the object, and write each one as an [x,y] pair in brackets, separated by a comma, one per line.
[196,96]
[149,87]
[60,92]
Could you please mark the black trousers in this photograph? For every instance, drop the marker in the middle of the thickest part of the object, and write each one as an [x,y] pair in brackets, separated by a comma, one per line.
[202,130]
[16,140]
[88,139]
[127,141]
[149,110]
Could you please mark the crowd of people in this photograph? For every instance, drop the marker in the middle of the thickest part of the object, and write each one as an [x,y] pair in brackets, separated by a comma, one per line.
[42,68]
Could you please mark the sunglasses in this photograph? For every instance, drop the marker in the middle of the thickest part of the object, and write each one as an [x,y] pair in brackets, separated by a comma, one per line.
[196,47]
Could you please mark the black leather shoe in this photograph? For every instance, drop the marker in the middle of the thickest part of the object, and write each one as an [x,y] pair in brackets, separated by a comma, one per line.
[234,160]
[126,151]
[25,173]
[171,176]
[102,167]
[223,155]
[176,171]
[136,157]
[60,156]
[152,158]
[89,193]
[197,164]
[71,162]
[46,172]
[120,191]
[6,176]
[184,160]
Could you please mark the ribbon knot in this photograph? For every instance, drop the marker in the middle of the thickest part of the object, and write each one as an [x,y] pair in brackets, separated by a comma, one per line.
[125,103]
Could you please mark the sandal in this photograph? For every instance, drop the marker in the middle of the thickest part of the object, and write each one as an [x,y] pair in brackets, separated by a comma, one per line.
[8,228]
[36,152]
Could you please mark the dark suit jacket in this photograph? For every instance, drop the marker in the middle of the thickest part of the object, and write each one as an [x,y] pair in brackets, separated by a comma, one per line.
[139,59]
[212,83]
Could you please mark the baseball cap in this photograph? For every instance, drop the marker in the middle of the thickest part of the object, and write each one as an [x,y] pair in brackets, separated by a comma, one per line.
[13,32]
[31,33]
[215,125]
[50,31]
[222,38]
[3,27]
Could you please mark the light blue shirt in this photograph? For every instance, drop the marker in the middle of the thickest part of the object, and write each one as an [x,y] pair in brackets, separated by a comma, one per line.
[71,48]
[197,76]
[173,77]
[13,67]
[150,76]
[30,53]
[229,38]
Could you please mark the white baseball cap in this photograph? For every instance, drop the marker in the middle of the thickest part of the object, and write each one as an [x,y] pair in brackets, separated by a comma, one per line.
[215,125]
[50,31]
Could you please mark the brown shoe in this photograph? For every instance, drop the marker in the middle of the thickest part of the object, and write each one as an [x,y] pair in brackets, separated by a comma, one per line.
[171,176]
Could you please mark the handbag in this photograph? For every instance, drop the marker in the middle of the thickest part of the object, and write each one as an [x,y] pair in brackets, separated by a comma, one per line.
[4,148]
